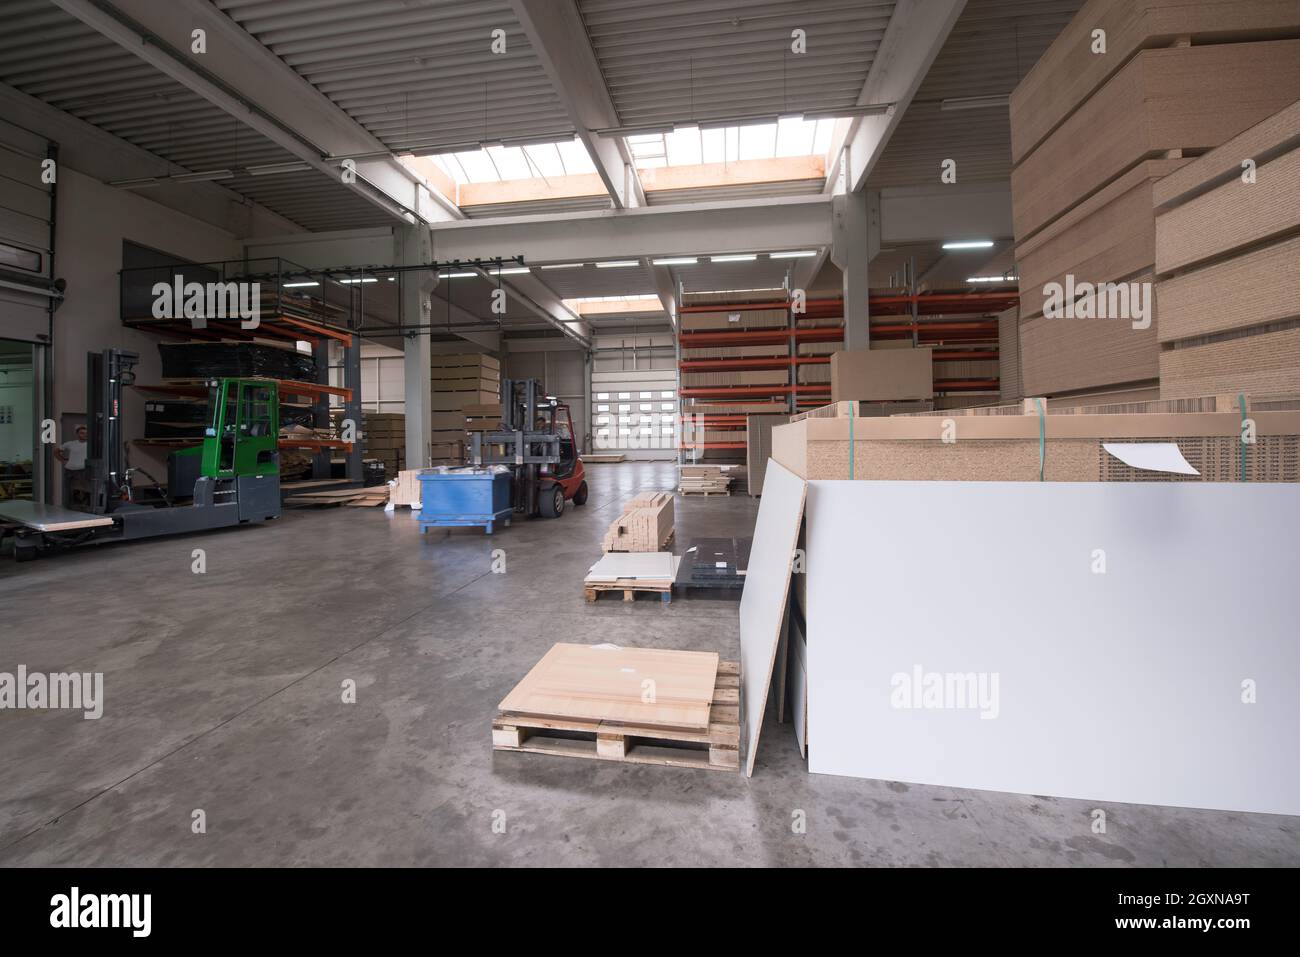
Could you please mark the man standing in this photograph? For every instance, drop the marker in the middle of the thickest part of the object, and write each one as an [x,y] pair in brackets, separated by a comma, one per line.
[73,456]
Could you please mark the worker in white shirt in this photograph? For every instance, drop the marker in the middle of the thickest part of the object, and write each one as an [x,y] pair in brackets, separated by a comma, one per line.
[73,456]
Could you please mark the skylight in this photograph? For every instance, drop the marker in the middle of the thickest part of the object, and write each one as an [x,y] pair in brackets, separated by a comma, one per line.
[692,146]
[502,163]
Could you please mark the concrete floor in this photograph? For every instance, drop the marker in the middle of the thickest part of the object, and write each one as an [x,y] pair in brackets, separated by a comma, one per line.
[223,694]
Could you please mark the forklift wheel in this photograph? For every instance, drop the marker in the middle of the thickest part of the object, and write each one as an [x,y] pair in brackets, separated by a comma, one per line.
[580,496]
[552,502]
[25,553]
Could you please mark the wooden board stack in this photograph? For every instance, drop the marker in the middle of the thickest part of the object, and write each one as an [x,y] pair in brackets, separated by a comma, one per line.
[758,448]
[646,525]
[1094,131]
[384,438]
[1228,266]
[405,489]
[705,480]
[592,702]
[460,380]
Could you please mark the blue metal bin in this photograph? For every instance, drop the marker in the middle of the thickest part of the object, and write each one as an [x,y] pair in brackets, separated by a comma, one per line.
[464,498]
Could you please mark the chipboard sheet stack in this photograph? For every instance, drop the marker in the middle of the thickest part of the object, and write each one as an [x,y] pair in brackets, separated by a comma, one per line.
[459,380]
[384,438]
[646,524]
[1093,132]
[1228,266]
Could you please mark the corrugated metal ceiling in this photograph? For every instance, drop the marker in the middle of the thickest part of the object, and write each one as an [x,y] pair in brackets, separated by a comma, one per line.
[418,74]
[54,57]
[702,59]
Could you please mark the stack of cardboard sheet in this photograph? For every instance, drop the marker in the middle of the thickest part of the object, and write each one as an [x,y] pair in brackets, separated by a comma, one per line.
[460,380]
[705,479]
[1228,266]
[384,438]
[640,705]
[646,524]
[1093,131]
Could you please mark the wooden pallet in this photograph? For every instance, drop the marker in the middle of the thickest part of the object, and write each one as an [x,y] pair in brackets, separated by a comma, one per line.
[716,749]
[703,491]
[629,587]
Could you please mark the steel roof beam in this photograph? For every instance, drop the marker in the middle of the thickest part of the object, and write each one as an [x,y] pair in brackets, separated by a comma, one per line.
[245,79]
[559,38]
[917,31]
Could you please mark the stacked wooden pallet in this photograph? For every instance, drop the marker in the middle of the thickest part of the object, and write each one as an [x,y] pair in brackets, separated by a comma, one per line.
[635,705]
[459,380]
[1095,125]
[631,572]
[646,525]
[1228,266]
[384,438]
[705,480]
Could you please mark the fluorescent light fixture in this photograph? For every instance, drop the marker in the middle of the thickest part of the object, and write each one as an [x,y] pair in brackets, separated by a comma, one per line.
[993,279]
[512,271]
[765,119]
[619,264]
[271,169]
[367,279]
[565,266]
[970,244]
[615,131]
[676,261]
[141,183]
[299,285]
[870,109]
[795,254]
[975,102]
[457,275]
[202,176]
[738,258]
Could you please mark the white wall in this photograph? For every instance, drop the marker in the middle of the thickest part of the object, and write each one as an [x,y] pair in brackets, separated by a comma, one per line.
[93,220]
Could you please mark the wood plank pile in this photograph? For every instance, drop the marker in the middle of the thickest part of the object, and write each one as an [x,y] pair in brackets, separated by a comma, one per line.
[383,436]
[460,380]
[1228,266]
[635,705]
[1093,131]
[646,525]
[405,489]
[632,572]
[370,496]
[705,480]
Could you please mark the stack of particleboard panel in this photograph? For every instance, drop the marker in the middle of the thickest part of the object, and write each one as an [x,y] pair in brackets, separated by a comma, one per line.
[1006,447]
[1092,132]
[1009,354]
[458,380]
[758,448]
[1228,266]
[705,479]
[646,525]
[384,438]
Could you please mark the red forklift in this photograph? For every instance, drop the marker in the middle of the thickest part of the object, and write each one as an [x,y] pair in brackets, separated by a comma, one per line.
[536,441]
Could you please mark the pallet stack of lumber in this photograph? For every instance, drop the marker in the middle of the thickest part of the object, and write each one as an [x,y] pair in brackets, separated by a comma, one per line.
[646,525]
[705,479]
[632,572]
[405,489]
[384,438]
[1094,128]
[638,705]
[459,380]
[1228,266]
[1003,444]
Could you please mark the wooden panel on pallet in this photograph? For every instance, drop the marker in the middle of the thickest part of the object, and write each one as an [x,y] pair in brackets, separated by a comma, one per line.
[1110,236]
[1069,355]
[758,448]
[609,683]
[1263,364]
[1258,287]
[1070,71]
[1231,216]
[1181,98]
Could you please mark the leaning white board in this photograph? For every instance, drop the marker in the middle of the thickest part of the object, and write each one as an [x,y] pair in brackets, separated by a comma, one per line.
[1126,684]
[766,591]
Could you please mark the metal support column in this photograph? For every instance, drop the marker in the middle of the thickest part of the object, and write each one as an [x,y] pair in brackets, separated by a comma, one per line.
[855,231]
[415,246]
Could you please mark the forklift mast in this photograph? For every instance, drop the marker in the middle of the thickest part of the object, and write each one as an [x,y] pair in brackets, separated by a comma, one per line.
[106,374]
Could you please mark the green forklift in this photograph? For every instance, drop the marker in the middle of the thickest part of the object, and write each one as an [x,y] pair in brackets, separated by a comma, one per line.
[231,478]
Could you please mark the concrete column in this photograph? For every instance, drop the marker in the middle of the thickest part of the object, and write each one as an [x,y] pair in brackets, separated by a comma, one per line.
[414,245]
[855,241]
